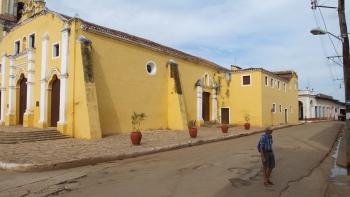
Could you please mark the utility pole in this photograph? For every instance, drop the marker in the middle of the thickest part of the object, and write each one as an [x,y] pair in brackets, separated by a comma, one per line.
[346,67]
[344,37]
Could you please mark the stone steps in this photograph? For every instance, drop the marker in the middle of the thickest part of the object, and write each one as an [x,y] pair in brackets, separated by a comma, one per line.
[30,136]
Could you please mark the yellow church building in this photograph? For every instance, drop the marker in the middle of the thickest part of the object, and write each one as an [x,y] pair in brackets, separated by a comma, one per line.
[87,80]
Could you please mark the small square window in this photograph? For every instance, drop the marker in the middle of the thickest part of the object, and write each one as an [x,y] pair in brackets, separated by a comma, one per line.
[56,50]
[32,41]
[246,80]
[17,47]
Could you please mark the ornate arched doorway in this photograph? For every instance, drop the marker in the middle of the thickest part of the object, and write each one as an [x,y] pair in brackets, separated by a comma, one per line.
[55,101]
[206,99]
[22,99]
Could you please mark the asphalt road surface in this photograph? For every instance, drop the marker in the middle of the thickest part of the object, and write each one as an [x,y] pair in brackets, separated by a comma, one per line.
[228,168]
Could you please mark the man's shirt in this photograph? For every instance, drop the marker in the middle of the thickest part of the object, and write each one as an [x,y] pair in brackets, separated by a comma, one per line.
[266,142]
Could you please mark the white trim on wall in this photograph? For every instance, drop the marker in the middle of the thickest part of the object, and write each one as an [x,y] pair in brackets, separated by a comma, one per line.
[14,47]
[286,113]
[35,40]
[53,50]
[251,80]
[154,68]
[274,108]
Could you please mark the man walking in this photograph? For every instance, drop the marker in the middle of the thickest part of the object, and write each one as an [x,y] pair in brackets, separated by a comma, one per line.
[267,156]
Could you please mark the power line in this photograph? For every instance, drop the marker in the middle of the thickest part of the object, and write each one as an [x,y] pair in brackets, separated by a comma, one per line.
[329,36]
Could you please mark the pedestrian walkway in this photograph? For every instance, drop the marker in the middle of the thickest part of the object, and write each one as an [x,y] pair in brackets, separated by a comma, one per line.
[67,153]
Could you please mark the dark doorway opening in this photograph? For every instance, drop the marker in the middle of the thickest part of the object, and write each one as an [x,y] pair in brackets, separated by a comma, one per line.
[225,116]
[286,116]
[206,106]
[22,99]
[55,101]
[301,111]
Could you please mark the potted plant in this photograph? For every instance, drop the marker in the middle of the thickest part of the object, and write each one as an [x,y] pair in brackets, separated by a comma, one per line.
[224,128]
[192,128]
[247,124]
[136,134]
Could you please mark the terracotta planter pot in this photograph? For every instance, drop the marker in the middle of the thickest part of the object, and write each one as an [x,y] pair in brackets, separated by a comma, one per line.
[193,132]
[247,126]
[136,137]
[224,129]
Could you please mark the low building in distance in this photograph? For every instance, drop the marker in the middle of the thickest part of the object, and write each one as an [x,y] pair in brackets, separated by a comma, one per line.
[318,106]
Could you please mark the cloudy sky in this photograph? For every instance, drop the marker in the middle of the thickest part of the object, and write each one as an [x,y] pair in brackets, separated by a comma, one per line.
[273,34]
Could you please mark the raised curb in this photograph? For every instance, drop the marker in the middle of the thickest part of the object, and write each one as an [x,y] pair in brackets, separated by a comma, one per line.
[122,156]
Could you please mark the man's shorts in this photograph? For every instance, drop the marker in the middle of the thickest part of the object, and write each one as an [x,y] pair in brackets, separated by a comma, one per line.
[270,160]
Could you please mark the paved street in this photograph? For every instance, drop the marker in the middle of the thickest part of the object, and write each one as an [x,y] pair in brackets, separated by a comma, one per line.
[228,168]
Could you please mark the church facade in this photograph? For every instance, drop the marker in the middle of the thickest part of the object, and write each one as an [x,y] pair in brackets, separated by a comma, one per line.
[87,80]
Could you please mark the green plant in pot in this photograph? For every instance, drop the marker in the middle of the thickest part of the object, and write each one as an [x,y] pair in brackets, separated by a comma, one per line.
[136,135]
[192,128]
[247,120]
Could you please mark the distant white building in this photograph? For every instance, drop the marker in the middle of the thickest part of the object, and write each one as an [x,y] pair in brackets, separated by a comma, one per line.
[313,106]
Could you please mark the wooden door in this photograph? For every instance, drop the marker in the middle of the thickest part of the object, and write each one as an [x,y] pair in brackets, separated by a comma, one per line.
[55,102]
[225,116]
[206,106]
[22,100]
[286,116]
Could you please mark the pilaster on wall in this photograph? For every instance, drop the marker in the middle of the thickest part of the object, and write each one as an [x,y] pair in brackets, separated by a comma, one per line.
[11,118]
[29,114]
[177,115]
[43,81]
[199,92]
[62,123]
[87,110]
[3,90]
[214,106]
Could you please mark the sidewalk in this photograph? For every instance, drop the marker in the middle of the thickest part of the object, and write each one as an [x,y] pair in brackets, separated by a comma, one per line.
[68,153]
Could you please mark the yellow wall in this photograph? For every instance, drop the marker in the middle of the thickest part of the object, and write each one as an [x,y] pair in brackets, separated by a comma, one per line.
[257,99]
[50,24]
[286,98]
[124,86]
[246,100]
